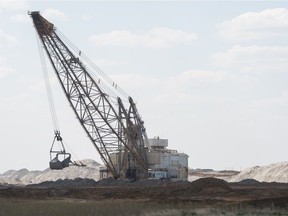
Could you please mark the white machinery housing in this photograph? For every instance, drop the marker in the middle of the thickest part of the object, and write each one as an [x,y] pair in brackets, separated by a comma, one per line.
[166,163]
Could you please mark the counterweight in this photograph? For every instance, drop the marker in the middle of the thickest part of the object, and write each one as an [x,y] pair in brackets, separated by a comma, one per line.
[116,131]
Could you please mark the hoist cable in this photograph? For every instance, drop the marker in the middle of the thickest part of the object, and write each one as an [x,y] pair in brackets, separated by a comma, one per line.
[99,82]
[70,150]
[96,68]
[48,87]
[103,86]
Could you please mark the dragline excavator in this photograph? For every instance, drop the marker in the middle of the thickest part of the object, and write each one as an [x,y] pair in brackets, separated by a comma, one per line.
[107,114]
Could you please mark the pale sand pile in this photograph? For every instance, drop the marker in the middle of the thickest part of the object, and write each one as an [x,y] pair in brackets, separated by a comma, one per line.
[276,172]
[24,176]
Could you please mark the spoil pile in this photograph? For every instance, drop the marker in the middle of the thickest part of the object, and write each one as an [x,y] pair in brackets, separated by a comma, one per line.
[209,184]
[123,182]
[249,182]
[26,177]
[78,182]
[277,172]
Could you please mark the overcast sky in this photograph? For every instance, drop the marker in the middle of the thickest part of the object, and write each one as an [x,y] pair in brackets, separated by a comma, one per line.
[209,76]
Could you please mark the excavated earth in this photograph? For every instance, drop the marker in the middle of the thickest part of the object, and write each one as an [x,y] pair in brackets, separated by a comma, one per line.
[204,191]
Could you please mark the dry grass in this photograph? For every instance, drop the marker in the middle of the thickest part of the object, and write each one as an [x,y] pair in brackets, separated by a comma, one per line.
[72,207]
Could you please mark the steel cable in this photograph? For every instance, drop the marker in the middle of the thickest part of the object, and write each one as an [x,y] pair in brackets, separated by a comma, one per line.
[48,87]
[116,87]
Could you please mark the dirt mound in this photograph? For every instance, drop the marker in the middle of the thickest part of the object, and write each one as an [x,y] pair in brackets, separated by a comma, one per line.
[249,181]
[211,184]
[78,182]
[119,182]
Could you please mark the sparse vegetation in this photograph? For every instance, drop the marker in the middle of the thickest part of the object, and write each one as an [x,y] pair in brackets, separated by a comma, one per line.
[73,207]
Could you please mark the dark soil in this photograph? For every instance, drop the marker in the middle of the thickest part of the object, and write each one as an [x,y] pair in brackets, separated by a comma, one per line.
[205,191]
